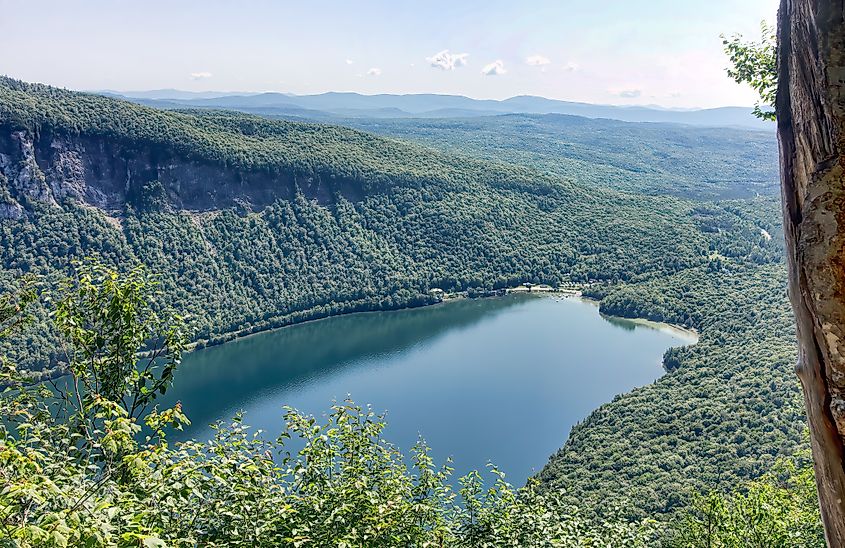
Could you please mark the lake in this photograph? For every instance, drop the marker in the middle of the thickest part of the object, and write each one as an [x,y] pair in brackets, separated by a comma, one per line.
[497,380]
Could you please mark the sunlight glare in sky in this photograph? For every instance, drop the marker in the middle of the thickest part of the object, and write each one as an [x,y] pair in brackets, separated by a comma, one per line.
[660,52]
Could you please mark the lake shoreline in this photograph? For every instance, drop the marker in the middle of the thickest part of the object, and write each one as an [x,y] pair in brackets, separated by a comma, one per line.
[231,336]
[670,327]
[442,372]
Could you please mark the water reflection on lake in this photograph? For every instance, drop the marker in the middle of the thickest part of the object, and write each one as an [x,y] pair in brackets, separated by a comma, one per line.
[501,379]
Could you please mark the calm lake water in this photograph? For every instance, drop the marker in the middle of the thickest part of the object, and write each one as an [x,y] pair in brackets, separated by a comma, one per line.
[491,380]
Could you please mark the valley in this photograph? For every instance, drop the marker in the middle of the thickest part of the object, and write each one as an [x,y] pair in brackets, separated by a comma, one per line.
[252,223]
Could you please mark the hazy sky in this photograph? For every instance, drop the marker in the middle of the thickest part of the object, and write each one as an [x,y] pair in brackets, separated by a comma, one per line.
[665,52]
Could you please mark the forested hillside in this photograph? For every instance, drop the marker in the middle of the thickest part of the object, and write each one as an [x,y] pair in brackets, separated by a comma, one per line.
[252,223]
[700,163]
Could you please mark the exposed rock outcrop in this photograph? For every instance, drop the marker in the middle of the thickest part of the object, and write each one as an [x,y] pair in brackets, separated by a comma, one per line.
[51,168]
[811,132]
[11,210]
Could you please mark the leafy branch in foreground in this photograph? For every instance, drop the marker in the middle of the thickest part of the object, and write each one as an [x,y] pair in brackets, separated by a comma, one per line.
[755,63]
[78,468]
[13,307]
[107,320]
[779,510]
[86,465]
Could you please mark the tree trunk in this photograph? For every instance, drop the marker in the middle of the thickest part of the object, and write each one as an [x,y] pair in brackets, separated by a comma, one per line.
[811,131]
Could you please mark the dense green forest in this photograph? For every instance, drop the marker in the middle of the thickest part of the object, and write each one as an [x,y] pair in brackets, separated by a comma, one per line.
[437,221]
[79,469]
[251,223]
[75,472]
[700,163]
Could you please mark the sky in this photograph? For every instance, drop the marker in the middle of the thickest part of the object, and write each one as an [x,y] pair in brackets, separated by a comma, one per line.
[626,52]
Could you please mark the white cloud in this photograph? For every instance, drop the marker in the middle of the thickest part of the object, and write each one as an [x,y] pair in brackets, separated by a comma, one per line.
[630,93]
[571,67]
[349,61]
[447,61]
[374,72]
[200,75]
[537,60]
[495,68]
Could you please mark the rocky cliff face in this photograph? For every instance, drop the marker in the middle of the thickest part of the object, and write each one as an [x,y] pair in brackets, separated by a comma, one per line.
[51,168]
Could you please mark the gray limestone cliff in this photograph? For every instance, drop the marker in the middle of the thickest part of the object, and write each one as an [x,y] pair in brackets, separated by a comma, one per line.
[51,168]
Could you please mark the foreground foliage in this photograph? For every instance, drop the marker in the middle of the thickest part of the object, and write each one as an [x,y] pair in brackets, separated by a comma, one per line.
[84,464]
[755,63]
[75,473]
[779,510]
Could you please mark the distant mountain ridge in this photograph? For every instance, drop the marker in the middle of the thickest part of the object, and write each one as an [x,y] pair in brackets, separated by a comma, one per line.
[178,94]
[424,105]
